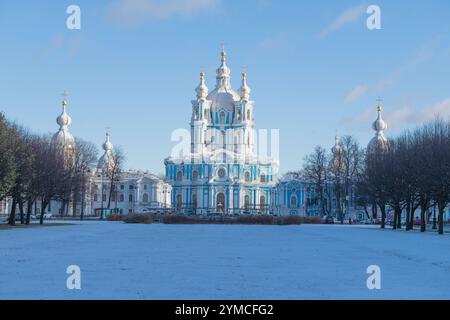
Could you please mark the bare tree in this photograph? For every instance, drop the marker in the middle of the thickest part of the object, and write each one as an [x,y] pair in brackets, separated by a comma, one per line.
[50,172]
[8,171]
[439,179]
[113,171]
[315,171]
[84,158]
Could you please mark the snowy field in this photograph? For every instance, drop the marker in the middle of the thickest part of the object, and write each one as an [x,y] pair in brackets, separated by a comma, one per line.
[120,261]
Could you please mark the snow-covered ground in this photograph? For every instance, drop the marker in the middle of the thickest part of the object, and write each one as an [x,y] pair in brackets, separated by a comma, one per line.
[122,261]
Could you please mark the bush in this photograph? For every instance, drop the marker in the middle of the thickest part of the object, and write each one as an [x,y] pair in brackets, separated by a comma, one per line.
[138,218]
[288,220]
[311,220]
[254,219]
[180,219]
[115,217]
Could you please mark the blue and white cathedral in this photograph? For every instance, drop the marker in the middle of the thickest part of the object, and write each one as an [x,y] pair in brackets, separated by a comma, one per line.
[221,173]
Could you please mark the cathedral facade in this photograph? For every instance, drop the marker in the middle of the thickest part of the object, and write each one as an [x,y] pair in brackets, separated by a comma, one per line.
[221,174]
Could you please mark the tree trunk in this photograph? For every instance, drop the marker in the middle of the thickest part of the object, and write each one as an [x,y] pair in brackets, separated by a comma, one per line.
[22,217]
[29,209]
[43,207]
[411,218]
[441,218]
[422,218]
[408,216]
[12,216]
[399,218]
[374,211]
[383,216]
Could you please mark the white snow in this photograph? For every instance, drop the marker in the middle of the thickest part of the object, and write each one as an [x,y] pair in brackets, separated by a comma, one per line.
[123,261]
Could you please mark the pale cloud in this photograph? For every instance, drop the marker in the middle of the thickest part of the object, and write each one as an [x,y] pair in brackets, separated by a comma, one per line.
[276,41]
[401,117]
[348,16]
[424,54]
[68,45]
[132,12]
[357,92]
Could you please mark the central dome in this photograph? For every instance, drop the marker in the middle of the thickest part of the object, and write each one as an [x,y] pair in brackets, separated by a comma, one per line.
[222,97]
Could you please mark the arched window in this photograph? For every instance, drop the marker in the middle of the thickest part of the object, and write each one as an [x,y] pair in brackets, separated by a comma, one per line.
[293,201]
[247,202]
[222,116]
[178,204]
[247,176]
[220,204]
[263,178]
[195,175]
[145,197]
[262,203]
[196,113]
[194,201]
[179,176]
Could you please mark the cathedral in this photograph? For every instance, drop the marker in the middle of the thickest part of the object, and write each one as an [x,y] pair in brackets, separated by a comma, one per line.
[221,171]
[222,174]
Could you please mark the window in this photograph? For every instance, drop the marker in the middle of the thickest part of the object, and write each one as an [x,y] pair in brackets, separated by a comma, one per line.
[130,198]
[293,201]
[179,176]
[145,187]
[195,175]
[103,197]
[248,114]
[221,173]
[222,117]
[247,202]
[178,204]
[239,115]
[131,187]
[194,201]
[95,197]
[122,187]
[262,203]
[263,178]
[247,176]
[206,114]
[145,197]
[113,196]
[121,198]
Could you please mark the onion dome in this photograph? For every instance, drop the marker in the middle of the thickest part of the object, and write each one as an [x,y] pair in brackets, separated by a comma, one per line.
[202,89]
[106,161]
[336,149]
[63,138]
[245,90]
[223,72]
[379,142]
[223,95]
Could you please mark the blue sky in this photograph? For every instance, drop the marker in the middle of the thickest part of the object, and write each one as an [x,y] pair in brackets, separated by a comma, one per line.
[313,67]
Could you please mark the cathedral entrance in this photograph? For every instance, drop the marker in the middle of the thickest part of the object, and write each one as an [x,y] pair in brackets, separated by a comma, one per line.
[220,203]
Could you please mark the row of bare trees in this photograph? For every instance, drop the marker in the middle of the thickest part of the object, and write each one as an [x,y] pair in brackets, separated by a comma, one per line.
[410,173]
[333,174]
[33,169]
